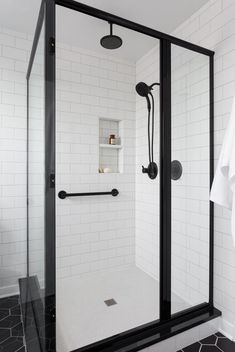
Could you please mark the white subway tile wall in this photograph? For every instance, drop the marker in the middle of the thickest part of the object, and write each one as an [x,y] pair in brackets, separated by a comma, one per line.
[14,56]
[94,233]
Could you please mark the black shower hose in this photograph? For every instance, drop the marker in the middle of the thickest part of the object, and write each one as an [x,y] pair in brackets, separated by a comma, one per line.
[151,140]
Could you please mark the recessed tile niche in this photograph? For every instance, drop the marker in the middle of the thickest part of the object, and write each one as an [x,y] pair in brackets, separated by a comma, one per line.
[110,155]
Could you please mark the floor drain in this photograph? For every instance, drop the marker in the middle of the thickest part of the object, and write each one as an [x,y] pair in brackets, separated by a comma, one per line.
[110,302]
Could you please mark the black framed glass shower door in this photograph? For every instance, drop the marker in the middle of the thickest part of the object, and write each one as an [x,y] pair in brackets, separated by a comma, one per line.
[171,321]
[192,149]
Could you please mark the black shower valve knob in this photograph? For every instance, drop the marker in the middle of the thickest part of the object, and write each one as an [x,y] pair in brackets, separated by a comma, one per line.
[151,170]
[144,170]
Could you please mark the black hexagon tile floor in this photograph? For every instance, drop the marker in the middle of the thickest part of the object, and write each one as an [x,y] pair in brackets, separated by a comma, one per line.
[11,327]
[213,343]
[12,334]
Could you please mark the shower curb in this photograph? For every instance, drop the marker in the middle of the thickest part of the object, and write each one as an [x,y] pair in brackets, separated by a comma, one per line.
[150,334]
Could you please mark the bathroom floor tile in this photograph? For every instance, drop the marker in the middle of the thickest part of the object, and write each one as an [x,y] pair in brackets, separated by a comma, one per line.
[193,348]
[214,343]
[226,345]
[208,348]
[211,340]
[11,327]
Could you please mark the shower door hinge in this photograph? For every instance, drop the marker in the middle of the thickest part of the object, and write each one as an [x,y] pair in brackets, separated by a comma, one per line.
[52,180]
[52,45]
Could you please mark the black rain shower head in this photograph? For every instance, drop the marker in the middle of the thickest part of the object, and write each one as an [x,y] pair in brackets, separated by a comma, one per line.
[111,41]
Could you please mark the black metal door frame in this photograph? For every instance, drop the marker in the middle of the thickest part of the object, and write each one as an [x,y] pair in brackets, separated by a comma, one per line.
[46,330]
[47,16]
[50,86]
[168,324]
[165,180]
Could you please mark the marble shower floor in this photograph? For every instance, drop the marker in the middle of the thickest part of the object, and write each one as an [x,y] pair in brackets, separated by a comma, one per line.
[84,318]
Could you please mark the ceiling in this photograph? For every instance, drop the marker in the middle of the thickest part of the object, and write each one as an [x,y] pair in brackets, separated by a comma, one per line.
[163,15]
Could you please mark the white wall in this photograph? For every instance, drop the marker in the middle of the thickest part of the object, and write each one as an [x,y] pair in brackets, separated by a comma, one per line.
[14,49]
[93,233]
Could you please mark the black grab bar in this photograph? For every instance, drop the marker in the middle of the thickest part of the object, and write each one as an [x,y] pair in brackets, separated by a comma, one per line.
[63,194]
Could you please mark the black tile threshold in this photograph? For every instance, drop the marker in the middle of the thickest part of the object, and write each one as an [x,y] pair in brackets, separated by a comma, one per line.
[213,343]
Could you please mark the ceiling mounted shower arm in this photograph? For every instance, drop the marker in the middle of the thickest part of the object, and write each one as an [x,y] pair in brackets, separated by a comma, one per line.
[111,41]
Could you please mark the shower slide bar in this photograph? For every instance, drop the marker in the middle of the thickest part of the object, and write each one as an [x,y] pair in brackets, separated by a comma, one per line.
[64,194]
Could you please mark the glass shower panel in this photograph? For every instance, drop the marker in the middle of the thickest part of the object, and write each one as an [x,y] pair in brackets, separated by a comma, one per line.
[147,190]
[36,167]
[107,247]
[190,178]
[40,300]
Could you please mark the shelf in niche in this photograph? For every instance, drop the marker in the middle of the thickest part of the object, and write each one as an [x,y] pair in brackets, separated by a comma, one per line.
[110,155]
[111,146]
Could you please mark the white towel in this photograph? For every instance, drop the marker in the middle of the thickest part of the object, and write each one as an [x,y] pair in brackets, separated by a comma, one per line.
[223,187]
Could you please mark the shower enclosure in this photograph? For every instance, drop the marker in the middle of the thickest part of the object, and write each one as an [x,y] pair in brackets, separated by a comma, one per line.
[117,260]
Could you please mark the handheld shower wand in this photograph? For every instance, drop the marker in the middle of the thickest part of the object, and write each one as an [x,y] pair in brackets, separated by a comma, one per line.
[144,91]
